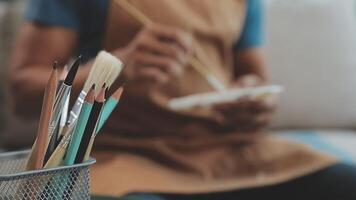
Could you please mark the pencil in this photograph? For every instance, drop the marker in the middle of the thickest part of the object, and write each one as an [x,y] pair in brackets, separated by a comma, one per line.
[91,126]
[213,81]
[109,107]
[80,127]
[37,154]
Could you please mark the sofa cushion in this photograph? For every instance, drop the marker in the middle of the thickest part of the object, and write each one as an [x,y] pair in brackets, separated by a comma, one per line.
[311,50]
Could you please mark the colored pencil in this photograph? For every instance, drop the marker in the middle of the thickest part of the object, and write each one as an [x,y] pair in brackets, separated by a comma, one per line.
[109,107]
[91,126]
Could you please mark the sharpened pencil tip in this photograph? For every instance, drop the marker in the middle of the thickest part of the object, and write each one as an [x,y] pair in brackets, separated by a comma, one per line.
[117,94]
[104,85]
[55,64]
[93,87]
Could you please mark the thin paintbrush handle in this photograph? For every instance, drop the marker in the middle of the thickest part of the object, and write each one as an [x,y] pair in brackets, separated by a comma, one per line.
[73,115]
[78,134]
[61,98]
[89,133]
[89,148]
[213,81]
[56,158]
[64,115]
[108,108]
[209,77]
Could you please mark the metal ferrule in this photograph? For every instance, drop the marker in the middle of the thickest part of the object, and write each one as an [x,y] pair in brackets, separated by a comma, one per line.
[61,99]
[65,141]
[74,113]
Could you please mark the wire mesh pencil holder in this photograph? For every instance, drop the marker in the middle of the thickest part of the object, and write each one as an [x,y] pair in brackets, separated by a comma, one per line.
[62,183]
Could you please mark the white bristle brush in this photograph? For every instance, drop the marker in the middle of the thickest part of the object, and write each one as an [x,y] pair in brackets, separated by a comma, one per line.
[106,69]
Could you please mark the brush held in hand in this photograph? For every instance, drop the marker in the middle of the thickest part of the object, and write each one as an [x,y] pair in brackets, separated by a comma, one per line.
[207,74]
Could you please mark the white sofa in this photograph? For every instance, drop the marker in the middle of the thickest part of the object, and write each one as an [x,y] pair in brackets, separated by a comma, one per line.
[311,50]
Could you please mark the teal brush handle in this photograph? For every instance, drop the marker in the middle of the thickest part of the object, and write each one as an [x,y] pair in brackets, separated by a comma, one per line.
[72,149]
[78,134]
[107,110]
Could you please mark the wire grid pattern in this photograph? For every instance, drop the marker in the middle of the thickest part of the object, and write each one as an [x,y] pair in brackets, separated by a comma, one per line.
[64,183]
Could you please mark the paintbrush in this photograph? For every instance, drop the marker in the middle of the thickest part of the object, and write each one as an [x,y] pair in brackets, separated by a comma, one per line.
[107,109]
[38,151]
[63,118]
[105,69]
[80,128]
[57,156]
[62,76]
[209,76]
[61,98]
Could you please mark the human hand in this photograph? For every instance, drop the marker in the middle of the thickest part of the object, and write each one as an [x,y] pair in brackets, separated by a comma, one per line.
[247,114]
[156,54]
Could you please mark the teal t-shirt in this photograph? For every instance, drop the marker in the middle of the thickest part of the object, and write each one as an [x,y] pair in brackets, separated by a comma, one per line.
[88,17]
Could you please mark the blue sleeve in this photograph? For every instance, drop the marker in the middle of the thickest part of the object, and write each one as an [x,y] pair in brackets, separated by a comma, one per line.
[253,30]
[53,12]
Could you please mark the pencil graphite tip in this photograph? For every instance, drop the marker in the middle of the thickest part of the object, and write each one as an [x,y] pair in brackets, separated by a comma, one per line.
[104,85]
[55,65]
[73,71]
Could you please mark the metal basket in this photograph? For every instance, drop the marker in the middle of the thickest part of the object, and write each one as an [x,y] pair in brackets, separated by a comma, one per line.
[62,183]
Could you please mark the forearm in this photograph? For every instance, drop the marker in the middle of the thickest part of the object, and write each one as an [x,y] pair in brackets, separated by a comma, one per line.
[250,62]
[27,87]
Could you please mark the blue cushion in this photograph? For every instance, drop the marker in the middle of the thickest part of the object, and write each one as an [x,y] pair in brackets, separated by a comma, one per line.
[332,143]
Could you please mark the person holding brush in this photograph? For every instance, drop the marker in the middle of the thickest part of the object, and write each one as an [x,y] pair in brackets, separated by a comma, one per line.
[216,152]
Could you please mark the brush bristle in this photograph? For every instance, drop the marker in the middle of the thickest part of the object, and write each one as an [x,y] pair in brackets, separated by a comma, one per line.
[106,69]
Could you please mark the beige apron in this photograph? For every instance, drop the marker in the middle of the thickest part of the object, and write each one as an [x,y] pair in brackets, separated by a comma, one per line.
[148,148]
